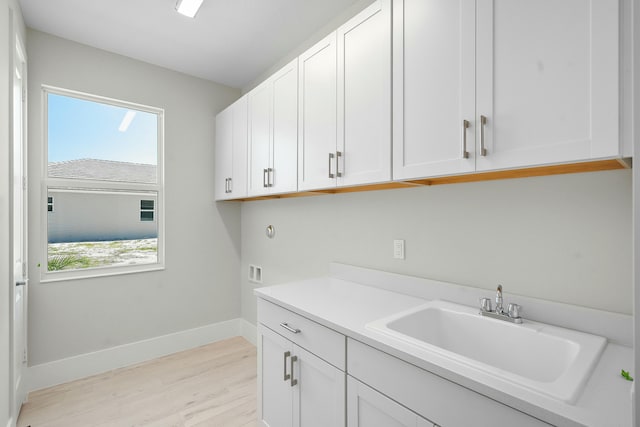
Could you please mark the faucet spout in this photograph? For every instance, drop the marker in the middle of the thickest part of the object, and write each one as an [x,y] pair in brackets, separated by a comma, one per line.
[499,307]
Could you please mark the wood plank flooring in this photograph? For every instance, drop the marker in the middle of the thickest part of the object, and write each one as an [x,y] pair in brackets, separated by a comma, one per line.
[209,386]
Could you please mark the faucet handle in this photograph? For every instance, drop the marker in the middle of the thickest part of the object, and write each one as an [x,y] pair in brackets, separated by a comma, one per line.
[514,311]
[485,304]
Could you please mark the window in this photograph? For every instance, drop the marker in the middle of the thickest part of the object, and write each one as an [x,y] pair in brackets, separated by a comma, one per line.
[104,171]
[146,210]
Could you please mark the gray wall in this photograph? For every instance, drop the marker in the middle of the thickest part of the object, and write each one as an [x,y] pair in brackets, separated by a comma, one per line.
[562,238]
[200,283]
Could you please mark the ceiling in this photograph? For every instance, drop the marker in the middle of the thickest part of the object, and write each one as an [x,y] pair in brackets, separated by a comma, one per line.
[230,41]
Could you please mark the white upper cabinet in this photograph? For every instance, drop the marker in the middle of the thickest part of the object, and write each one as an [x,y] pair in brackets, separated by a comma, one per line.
[519,82]
[547,81]
[345,104]
[364,97]
[434,87]
[273,133]
[231,151]
[317,135]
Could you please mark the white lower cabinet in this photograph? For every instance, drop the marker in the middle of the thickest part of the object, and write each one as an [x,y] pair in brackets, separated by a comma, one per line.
[296,388]
[426,394]
[368,408]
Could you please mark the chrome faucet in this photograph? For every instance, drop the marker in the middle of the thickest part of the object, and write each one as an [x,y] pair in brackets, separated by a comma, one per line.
[511,315]
[499,309]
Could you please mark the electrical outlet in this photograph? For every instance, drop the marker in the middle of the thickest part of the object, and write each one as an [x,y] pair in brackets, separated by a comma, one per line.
[398,249]
[255,273]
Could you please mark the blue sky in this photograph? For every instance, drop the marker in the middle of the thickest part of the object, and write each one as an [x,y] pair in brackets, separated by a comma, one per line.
[79,129]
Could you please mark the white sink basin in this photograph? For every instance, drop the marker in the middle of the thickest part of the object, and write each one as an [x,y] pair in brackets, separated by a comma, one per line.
[550,360]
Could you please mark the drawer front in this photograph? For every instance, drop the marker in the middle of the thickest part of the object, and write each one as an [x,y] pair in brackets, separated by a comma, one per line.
[429,395]
[315,338]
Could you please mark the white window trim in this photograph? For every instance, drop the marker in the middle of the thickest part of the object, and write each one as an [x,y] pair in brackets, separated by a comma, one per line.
[76,184]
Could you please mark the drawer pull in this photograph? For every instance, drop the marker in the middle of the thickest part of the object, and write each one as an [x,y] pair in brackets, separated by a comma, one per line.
[286,354]
[289,328]
[293,360]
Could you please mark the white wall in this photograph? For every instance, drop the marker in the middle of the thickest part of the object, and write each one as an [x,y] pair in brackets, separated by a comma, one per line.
[562,238]
[200,283]
[10,20]
[82,217]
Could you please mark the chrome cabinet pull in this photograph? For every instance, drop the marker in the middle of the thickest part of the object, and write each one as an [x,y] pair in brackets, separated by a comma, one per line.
[465,126]
[331,156]
[293,359]
[286,355]
[264,178]
[338,155]
[289,328]
[270,177]
[230,185]
[483,122]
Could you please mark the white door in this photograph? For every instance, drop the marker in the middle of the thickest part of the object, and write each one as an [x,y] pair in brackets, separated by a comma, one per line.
[364,96]
[224,156]
[317,131]
[238,181]
[434,88]
[275,397]
[368,408]
[283,173]
[19,231]
[547,81]
[319,395]
[259,139]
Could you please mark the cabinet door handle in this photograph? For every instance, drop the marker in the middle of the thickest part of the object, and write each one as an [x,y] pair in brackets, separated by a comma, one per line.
[270,177]
[230,184]
[338,155]
[465,126]
[293,359]
[331,156]
[286,355]
[289,328]
[483,122]
[264,178]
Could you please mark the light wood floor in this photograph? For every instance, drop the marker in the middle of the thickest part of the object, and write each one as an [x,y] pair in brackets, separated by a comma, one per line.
[210,386]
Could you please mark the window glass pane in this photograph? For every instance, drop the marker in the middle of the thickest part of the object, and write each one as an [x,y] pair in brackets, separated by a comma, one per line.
[95,228]
[98,141]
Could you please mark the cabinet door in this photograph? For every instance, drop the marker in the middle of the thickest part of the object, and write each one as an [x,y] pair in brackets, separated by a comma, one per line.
[224,147]
[259,107]
[275,392]
[319,397]
[317,116]
[238,182]
[547,75]
[283,176]
[368,408]
[434,87]
[364,96]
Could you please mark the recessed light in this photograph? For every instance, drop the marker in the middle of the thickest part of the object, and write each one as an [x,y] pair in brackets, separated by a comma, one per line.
[188,7]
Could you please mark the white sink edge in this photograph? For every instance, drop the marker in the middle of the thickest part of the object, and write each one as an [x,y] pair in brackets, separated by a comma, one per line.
[593,343]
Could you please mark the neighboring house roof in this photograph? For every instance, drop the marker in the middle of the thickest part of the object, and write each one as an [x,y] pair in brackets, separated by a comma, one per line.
[104,170]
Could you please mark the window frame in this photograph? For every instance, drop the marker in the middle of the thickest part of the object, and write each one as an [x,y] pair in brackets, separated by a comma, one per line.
[72,184]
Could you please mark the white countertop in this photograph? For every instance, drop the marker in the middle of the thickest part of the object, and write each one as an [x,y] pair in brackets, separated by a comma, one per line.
[347,307]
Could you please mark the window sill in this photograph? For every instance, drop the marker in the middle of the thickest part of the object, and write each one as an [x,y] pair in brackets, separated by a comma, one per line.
[95,273]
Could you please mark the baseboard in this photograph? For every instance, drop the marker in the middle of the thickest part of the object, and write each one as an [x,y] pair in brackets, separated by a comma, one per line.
[249,331]
[84,365]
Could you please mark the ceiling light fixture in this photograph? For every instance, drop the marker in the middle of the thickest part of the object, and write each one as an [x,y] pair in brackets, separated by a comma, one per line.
[188,7]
